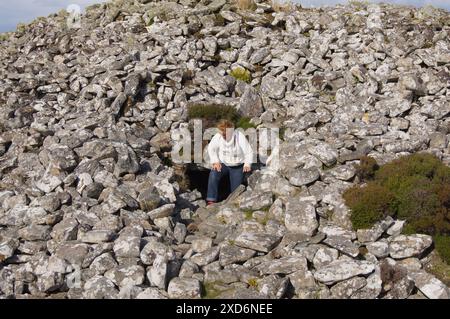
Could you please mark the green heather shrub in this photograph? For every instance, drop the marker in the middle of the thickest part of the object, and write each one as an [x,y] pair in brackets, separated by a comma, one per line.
[369,204]
[366,168]
[415,188]
[241,74]
[212,113]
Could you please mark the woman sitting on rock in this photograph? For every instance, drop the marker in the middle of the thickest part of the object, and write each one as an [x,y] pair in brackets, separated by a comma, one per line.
[230,154]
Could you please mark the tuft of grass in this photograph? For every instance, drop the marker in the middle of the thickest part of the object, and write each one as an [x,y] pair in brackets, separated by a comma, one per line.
[442,244]
[241,74]
[438,267]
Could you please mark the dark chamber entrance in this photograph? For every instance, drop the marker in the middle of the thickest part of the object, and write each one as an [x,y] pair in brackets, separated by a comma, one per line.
[198,179]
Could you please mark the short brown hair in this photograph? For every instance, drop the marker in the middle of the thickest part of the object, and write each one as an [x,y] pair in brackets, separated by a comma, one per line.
[224,124]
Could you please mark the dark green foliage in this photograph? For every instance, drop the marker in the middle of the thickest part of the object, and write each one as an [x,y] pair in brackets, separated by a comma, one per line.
[212,113]
[415,188]
[366,168]
[369,204]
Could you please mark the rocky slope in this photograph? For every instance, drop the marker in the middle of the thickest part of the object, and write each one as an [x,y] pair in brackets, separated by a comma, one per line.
[90,207]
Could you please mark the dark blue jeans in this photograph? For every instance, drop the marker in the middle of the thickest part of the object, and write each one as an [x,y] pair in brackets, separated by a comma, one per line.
[236,174]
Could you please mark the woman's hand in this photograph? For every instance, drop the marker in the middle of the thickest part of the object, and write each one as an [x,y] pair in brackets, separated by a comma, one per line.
[217,167]
[247,168]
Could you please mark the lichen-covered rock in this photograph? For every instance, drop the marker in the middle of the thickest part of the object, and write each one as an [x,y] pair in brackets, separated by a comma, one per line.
[206,257]
[184,288]
[66,230]
[342,269]
[152,293]
[300,177]
[257,241]
[125,275]
[255,200]
[7,248]
[163,211]
[99,287]
[379,249]
[323,256]
[403,246]
[372,234]
[35,232]
[148,200]
[230,254]
[284,265]
[300,217]
[273,286]
[429,285]
[97,236]
[157,275]
[343,244]
[347,288]
[129,241]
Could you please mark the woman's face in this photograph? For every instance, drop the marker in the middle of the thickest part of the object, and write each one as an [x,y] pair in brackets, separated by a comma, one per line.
[227,133]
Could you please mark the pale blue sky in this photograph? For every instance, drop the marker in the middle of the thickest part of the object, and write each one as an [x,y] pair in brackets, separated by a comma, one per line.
[15,11]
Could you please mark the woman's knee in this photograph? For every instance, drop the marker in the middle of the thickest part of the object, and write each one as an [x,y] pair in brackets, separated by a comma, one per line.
[214,176]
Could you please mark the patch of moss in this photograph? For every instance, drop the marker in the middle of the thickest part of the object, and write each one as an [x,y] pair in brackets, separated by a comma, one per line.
[248,214]
[241,74]
[265,220]
[253,282]
[221,219]
[210,290]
